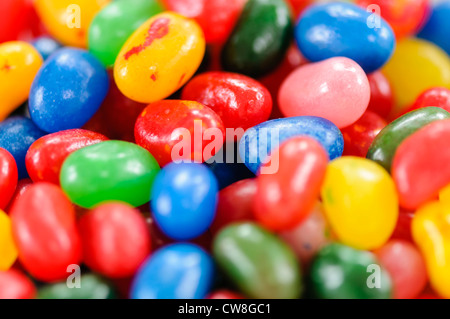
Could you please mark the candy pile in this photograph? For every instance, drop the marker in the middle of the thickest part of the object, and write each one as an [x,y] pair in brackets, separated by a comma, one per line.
[224,149]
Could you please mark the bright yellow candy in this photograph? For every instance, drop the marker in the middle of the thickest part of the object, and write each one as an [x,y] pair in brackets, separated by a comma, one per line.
[8,250]
[19,63]
[68,21]
[431,232]
[159,58]
[415,66]
[360,202]
[444,195]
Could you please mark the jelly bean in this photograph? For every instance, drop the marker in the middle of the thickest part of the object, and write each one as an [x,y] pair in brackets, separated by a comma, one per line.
[420,60]
[437,26]
[22,186]
[284,198]
[439,97]
[257,262]
[359,136]
[178,271]
[15,285]
[224,294]
[68,20]
[235,204]
[240,101]
[420,167]
[19,63]
[185,200]
[68,90]
[44,230]
[8,249]
[352,268]
[444,195]
[260,140]
[360,202]
[115,23]
[405,266]
[343,29]
[16,136]
[405,17]
[92,287]
[8,177]
[403,228]
[388,140]
[111,170]
[309,236]
[216,17]
[46,46]
[106,233]
[173,130]
[381,97]
[430,232]
[46,155]
[260,39]
[336,89]
[159,58]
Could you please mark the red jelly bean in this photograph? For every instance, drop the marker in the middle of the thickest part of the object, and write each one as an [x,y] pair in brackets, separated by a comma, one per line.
[240,101]
[437,96]
[420,167]
[359,136]
[22,186]
[44,229]
[224,294]
[15,285]
[116,239]
[165,124]
[406,267]
[285,198]
[381,95]
[46,155]
[8,177]
[403,228]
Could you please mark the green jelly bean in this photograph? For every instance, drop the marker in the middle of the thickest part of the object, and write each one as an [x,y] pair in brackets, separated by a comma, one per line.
[260,39]
[91,287]
[382,149]
[111,170]
[115,23]
[259,263]
[342,272]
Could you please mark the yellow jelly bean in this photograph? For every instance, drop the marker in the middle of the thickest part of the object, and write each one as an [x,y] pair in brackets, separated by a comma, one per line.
[431,232]
[444,195]
[360,202]
[19,63]
[159,58]
[8,250]
[415,66]
[68,21]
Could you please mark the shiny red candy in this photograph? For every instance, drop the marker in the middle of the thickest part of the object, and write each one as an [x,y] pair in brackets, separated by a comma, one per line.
[15,285]
[381,95]
[439,97]
[8,177]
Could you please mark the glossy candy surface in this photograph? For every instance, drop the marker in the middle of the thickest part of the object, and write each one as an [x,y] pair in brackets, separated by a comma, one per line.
[8,249]
[46,46]
[437,26]
[15,285]
[8,177]
[381,96]
[111,170]
[342,29]
[438,96]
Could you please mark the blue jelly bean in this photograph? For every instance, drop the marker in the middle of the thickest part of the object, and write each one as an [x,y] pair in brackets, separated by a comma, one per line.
[260,140]
[178,271]
[46,46]
[184,200]
[67,90]
[437,29]
[342,29]
[16,136]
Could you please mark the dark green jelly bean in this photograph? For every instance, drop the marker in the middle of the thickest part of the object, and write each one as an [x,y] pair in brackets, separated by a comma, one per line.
[260,39]
[382,149]
[342,272]
[92,287]
[260,264]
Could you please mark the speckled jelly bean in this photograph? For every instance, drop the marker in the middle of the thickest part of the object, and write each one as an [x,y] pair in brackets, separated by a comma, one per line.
[46,46]
[159,57]
[381,96]
[387,141]
[260,140]
[8,177]
[360,202]
[336,89]
[8,249]
[257,262]
[111,170]
[115,23]
[68,90]
[437,26]
[260,39]
[342,29]
[185,200]
[19,63]
[178,271]
[15,285]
